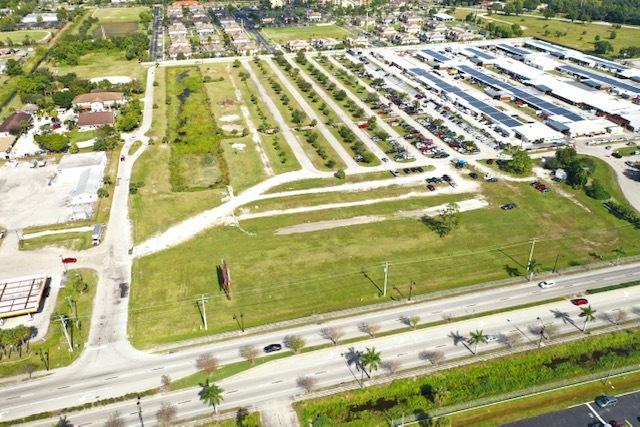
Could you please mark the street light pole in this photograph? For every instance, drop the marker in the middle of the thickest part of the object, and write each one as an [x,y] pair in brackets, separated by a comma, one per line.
[411,288]
[242,322]
[140,411]
[533,245]
[555,264]
[386,275]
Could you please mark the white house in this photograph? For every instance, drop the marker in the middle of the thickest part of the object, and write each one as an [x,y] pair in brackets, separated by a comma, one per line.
[443,17]
[82,173]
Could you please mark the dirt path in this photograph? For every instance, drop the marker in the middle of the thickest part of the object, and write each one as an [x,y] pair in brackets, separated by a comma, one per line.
[465,205]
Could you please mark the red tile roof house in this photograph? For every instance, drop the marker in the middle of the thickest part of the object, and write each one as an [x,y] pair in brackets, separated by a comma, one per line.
[87,121]
[98,101]
[13,124]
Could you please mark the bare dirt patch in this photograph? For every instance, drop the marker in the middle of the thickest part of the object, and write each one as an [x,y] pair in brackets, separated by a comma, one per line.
[231,128]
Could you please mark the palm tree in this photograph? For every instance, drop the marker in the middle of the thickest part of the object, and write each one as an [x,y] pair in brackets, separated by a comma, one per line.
[619,252]
[211,394]
[476,338]
[371,359]
[588,313]
[533,267]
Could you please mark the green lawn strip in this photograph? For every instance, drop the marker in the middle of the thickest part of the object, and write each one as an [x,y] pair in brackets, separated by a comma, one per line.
[102,64]
[283,35]
[166,284]
[627,151]
[18,36]
[245,167]
[265,73]
[333,116]
[77,241]
[306,184]
[134,147]
[54,342]
[612,287]
[158,128]
[609,180]
[76,135]
[247,88]
[224,372]
[471,384]
[155,207]
[120,14]
[578,35]
[318,199]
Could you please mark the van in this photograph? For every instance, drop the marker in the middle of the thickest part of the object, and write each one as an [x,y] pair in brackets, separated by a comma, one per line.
[97,234]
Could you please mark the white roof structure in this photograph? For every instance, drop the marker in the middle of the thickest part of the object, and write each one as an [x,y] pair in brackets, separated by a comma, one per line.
[82,174]
[541,61]
[82,160]
[588,127]
[537,131]
[518,68]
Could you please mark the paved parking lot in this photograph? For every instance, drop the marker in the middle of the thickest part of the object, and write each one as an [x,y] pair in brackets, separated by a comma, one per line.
[28,200]
[589,415]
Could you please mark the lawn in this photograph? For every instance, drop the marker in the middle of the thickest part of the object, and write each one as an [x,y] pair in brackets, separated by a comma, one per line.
[159,124]
[283,35]
[101,64]
[122,14]
[579,36]
[76,135]
[18,36]
[75,241]
[245,166]
[306,184]
[290,276]
[55,347]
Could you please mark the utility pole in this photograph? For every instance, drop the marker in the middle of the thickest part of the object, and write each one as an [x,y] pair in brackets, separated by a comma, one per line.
[555,264]
[533,245]
[204,313]
[66,333]
[386,275]
[411,288]
[610,372]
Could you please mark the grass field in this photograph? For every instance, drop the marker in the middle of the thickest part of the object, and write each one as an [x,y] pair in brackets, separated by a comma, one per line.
[268,289]
[159,124]
[71,241]
[579,36]
[99,64]
[283,35]
[122,14]
[18,36]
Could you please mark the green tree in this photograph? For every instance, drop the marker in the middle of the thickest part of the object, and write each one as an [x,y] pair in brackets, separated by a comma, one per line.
[476,338]
[63,99]
[413,322]
[588,313]
[295,343]
[236,63]
[298,116]
[533,267]
[619,252]
[602,47]
[548,13]
[520,162]
[13,68]
[371,359]
[340,174]
[53,142]
[211,395]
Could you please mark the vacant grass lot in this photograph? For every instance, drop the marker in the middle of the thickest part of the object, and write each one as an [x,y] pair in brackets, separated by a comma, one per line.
[120,14]
[159,124]
[100,64]
[283,35]
[245,166]
[19,36]
[579,36]
[289,276]
[306,184]
[72,241]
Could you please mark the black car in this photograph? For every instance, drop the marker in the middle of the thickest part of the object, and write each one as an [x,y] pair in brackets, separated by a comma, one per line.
[447,178]
[508,206]
[473,175]
[406,170]
[272,347]
[617,155]
[420,169]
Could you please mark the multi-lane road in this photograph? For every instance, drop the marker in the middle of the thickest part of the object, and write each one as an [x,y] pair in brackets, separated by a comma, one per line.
[70,386]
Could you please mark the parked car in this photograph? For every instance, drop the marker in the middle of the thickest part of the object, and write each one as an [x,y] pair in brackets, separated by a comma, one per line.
[508,206]
[431,187]
[69,260]
[604,401]
[1,234]
[473,175]
[547,284]
[491,338]
[272,347]
[617,155]
[579,301]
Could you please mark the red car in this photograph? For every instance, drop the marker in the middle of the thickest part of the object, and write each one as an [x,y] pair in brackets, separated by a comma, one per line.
[579,301]
[69,260]
[540,187]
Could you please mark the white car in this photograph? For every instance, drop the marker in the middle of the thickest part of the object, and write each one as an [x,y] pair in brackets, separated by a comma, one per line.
[491,338]
[547,284]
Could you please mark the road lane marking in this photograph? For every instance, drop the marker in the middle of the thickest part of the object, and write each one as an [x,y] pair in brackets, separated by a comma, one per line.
[186,401]
[595,413]
[110,378]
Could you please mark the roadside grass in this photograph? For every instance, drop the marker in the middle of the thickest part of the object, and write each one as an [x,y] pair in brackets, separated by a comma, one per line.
[488,380]
[626,151]
[306,184]
[102,64]
[120,14]
[578,35]
[159,124]
[285,34]
[247,88]
[77,241]
[222,96]
[156,208]
[608,178]
[102,208]
[76,135]
[166,284]
[134,147]
[245,167]
[55,344]
[19,36]
[413,190]
[264,73]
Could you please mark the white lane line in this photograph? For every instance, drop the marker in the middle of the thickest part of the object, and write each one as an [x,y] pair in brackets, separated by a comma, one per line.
[595,413]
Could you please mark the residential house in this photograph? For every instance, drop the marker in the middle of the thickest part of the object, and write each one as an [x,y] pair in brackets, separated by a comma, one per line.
[226,18]
[174,14]
[410,28]
[180,52]
[325,43]
[396,4]
[388,19]
[297,45]
[432,37]
[249,48]
[185,3]
[231,28]
[410,19]
[385,31]
[6,144]
[313,16]
[204,28]
[95,119]
[198,14]
[209,43]
[461,35]
[357,41]
[98,101]
[443,17]
[267,20]
[240,38]
[403,38]
[177,29]
[363,21]
[276,3]
[431,25]
[180,41]
[13,124]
